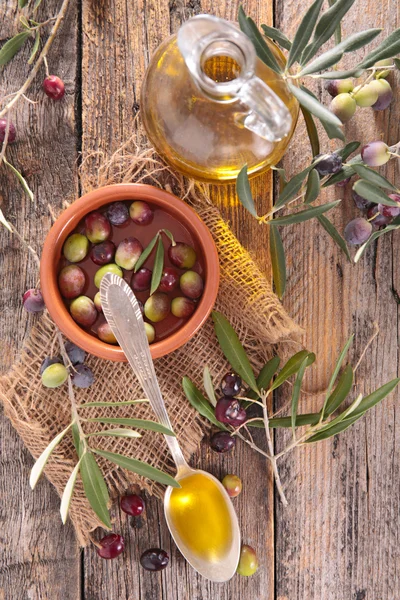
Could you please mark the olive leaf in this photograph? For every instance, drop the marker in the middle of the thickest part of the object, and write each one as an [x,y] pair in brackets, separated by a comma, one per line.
[146,253]
[376,397]
[264,378]
[22,3]
[343,174]
[244,192]
[208,386]
[169,235]
[387,49]
[373,177]
[305,215]
[335,235]
[158,267]
[311,131]
[304,32]
[296,393]
[139,423]
[138,467]
[278,262]
[326,28]
[333,131]
[340,392]
[35,47]
[277,36]
[76,438]
[233,349]
[68,491]
[370,192]
[12,46]
[41,462]
[332,56]
[354,72]
[263,51]
[292,187]
[397,63]
[197,400]
[114,404]
[118,432]
[314,106]
[343,416]
[372,238]
[313,187]
[20,178]
[336,370]
[292,366]
[95,488]
[348,149]
[4,221]
[286,422]
[334,430]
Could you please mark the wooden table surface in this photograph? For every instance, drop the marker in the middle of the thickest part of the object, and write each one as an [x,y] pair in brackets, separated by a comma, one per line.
[339,537]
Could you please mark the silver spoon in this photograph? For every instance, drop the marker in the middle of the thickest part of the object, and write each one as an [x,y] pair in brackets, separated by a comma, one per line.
[202,543]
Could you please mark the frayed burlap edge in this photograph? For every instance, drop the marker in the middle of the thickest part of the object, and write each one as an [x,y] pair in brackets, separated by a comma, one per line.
[246,299]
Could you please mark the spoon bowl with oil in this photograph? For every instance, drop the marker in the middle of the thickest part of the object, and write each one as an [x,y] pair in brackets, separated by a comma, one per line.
[199,514]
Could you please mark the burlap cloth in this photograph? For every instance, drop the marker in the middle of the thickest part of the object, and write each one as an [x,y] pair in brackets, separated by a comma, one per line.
[245,298]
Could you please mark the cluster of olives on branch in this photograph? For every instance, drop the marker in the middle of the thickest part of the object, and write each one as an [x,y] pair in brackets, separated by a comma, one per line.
[94,241]
[376,93]
[229,411]
[54,373]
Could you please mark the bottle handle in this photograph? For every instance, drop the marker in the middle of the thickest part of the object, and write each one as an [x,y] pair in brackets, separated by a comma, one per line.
[268,116]
[205,36]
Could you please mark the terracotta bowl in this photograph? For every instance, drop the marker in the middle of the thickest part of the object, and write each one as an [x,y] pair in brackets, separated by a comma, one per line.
[69,220]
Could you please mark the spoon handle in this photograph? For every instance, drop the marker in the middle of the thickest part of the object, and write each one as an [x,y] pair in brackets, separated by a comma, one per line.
[122,311]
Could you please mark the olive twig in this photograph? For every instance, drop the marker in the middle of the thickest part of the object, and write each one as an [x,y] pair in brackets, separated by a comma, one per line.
[278,483]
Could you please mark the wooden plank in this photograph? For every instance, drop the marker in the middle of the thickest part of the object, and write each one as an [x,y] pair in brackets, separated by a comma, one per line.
[118,39]
[339,536]
[39,556]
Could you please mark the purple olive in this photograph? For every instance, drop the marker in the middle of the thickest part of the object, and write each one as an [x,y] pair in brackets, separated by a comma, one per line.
[83,311]
[33,301]
[182,256]
[75,354]
[118,213]
[390,211]
[128,253]
[328,164]
[82,376]
[103,253]
[231,384]
[229,411]
[191,284]
[97,227]
[157,307]
[377,218]
[169,280]
[182,307]
[54,87]
[11,131]
[141,213]
[76,247]
[222,442]
[385,94]
[154,559]
[357,231]
[71,281]
[338,86]
[360,202]
[105,333]
[343,183]
[141,280]
[111,546]
[375,154]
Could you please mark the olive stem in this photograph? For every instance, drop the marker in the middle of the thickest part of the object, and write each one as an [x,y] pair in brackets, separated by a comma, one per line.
[74,407]
[39,61]
[251,444]
[264,396]
[5,141]
[25,244]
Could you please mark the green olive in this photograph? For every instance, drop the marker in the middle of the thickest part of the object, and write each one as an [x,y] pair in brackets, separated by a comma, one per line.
[54,375]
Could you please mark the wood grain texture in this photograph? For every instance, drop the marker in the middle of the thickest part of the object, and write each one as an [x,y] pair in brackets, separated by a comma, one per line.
[38,558]
[339,536]
[118,40]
